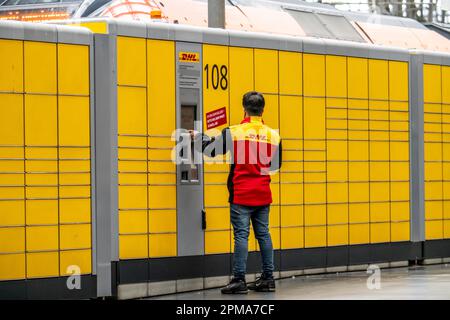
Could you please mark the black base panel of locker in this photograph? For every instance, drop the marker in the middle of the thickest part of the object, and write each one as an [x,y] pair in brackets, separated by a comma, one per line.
[48,289]
[433,249]
[172,268]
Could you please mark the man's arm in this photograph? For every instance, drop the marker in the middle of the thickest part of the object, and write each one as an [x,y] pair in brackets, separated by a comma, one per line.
[213,146]
[277,159]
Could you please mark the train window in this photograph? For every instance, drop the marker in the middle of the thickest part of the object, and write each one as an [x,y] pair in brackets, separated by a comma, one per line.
[310,24]
[323,25]
[340,27]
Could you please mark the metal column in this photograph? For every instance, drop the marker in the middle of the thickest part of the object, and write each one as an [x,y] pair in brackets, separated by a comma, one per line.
[106,194]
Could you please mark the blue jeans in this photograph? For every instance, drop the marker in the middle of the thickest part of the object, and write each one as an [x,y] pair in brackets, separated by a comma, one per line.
[240,219]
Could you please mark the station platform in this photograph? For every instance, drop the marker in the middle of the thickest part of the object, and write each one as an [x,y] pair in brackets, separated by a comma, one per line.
[416,282]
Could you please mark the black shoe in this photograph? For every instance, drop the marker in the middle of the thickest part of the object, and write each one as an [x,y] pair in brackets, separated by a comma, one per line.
[236,286]
[263,285]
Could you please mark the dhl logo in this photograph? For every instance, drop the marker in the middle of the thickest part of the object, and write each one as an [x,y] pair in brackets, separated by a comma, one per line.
[189,57]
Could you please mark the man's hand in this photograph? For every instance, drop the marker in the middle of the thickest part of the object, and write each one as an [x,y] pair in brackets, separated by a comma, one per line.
[193,134]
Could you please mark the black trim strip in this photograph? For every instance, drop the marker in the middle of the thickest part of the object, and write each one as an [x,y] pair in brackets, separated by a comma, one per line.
[164,269]
[48,288]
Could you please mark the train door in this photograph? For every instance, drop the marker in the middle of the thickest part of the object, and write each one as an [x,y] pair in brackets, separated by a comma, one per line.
[189,165]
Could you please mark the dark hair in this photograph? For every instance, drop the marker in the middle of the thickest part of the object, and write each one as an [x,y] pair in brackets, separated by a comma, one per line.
[253,103]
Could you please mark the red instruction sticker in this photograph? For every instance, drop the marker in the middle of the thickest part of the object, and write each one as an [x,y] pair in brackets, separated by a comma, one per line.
[216,118]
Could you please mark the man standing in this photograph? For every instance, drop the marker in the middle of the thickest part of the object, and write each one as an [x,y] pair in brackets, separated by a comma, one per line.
[255,155]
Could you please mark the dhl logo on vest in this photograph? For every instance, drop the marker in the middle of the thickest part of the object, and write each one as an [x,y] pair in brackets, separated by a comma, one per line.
[189,57]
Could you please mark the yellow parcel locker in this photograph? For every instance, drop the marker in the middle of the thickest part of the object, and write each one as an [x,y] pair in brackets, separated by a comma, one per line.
[131,61]
[73,69]
[398,81]
[73,121]
[266,70]
[40,120]
[40,68]
[11,64]
[241,80]
[432,83]
[336,77]
[313,76]
[290,68]
[357,78]
[378,79]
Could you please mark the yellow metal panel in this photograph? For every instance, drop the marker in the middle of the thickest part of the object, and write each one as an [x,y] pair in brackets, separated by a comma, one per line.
[336,150]
[162,245]
[432,83]
[314,75]
[266,70]
[380,232]
[378,79]
[161,88]
[77,236]
[337,192]
[42,212]
[290,73]
[131,221]
[11,118]
[96,27]
[42,238]
[292,238]
[315,193]
[379,191]
[73,121]
[315,215]
[131,105]
[73,69]
[217,242]
[216,195]
[337,213]
[12,213]
[162,197]
[218,218]
[11,64]
[358,233]
[12,240]
[399,151]
[40,130]
[433,210]
[74,210]
[42,264]
[315,237]
[398,80]
[434,230]
[399,211]
[445,71]
[358,212]
[400,231]
[446,229]
[215,81]
[40,67]
[12,266]
[132,197]
[133,246]
[74,192]
[357,78]
[241,80]
[162,221]
[379,150]
[131,61]
[379,171]
[291,216]
[336,171]
[358,192]
[291,193]
[314,118]
[379,212]
[336,78]
[291,117]
[337,235]
[79,258]
[399,191]
[271,111]
[433,171]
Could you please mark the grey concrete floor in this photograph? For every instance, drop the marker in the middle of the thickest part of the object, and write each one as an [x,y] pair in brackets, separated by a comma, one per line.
[418,282]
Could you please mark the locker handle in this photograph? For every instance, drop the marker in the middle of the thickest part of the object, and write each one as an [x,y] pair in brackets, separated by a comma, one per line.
[203,219]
